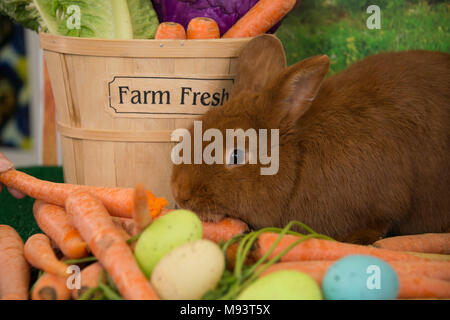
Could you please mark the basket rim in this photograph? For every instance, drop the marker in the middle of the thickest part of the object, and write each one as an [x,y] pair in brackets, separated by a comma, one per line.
[143,48]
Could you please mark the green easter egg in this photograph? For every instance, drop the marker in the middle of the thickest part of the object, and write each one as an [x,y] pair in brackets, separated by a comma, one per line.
[283,285]
[165,234]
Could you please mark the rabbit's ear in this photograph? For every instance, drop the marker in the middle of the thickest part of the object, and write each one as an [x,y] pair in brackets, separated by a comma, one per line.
[260,61]
[298,86]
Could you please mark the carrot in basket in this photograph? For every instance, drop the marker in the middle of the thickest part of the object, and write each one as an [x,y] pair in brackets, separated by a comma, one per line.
[259,19]
[14,269]
[170,30]
[50,287]
[426,243]
[319,249]
[54,221]
[413,283]
[39,253]
[203,28]
[92,220]
[118,201]
[141,210]
[224,229]
[89,278]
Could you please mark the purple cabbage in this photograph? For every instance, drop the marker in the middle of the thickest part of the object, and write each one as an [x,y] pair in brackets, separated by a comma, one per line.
[225,12]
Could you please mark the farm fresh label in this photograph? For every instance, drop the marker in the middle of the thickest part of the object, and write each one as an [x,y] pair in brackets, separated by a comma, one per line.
[159,97]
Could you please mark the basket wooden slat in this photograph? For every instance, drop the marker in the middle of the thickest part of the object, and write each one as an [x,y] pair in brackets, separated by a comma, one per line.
[107,141]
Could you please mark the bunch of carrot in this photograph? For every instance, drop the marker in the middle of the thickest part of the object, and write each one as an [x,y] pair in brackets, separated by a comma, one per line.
[420,276]
[118,201]
[80,221]
[198,28]
[422,268]
[258,20]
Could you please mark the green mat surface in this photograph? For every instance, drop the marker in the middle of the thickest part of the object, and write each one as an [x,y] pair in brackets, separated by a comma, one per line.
[19,213]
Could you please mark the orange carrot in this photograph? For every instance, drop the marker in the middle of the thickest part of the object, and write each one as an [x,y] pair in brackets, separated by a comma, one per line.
[414,286]
[118,201]
[259,19]
[203,28]
[231,257]
[317,269]
[92,220]
[89,278]
[54,221]
[123,234]
[430,256]
[318,249]
[429,269]
[127,229]
[39,253]
[14,269]
[224,229]
[127,224]
[426,243]
[414,281]
[50,287]
[141,210]
[170,30]
[424,298]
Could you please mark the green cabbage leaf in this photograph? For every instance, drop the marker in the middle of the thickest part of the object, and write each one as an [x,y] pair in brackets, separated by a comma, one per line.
[106,19]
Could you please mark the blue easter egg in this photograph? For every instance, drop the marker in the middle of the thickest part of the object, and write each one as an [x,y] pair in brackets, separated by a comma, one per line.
[360,277]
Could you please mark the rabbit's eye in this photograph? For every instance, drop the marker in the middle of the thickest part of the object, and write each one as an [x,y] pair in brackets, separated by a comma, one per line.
[236,157]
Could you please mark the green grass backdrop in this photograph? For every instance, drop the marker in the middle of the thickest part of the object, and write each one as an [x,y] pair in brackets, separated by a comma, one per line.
[18,213]
[338,28]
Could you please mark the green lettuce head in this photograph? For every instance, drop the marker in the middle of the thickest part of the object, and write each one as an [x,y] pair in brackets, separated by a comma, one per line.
[35,15]
[107,19]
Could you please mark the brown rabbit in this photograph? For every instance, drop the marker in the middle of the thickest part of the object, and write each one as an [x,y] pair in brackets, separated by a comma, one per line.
[362,154]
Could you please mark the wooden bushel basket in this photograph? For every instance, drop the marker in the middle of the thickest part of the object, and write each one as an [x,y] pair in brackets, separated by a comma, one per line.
[118,102]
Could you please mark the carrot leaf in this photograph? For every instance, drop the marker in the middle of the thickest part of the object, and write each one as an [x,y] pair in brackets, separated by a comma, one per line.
[109,293]
[89,294]
[134,238]
[109,290]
